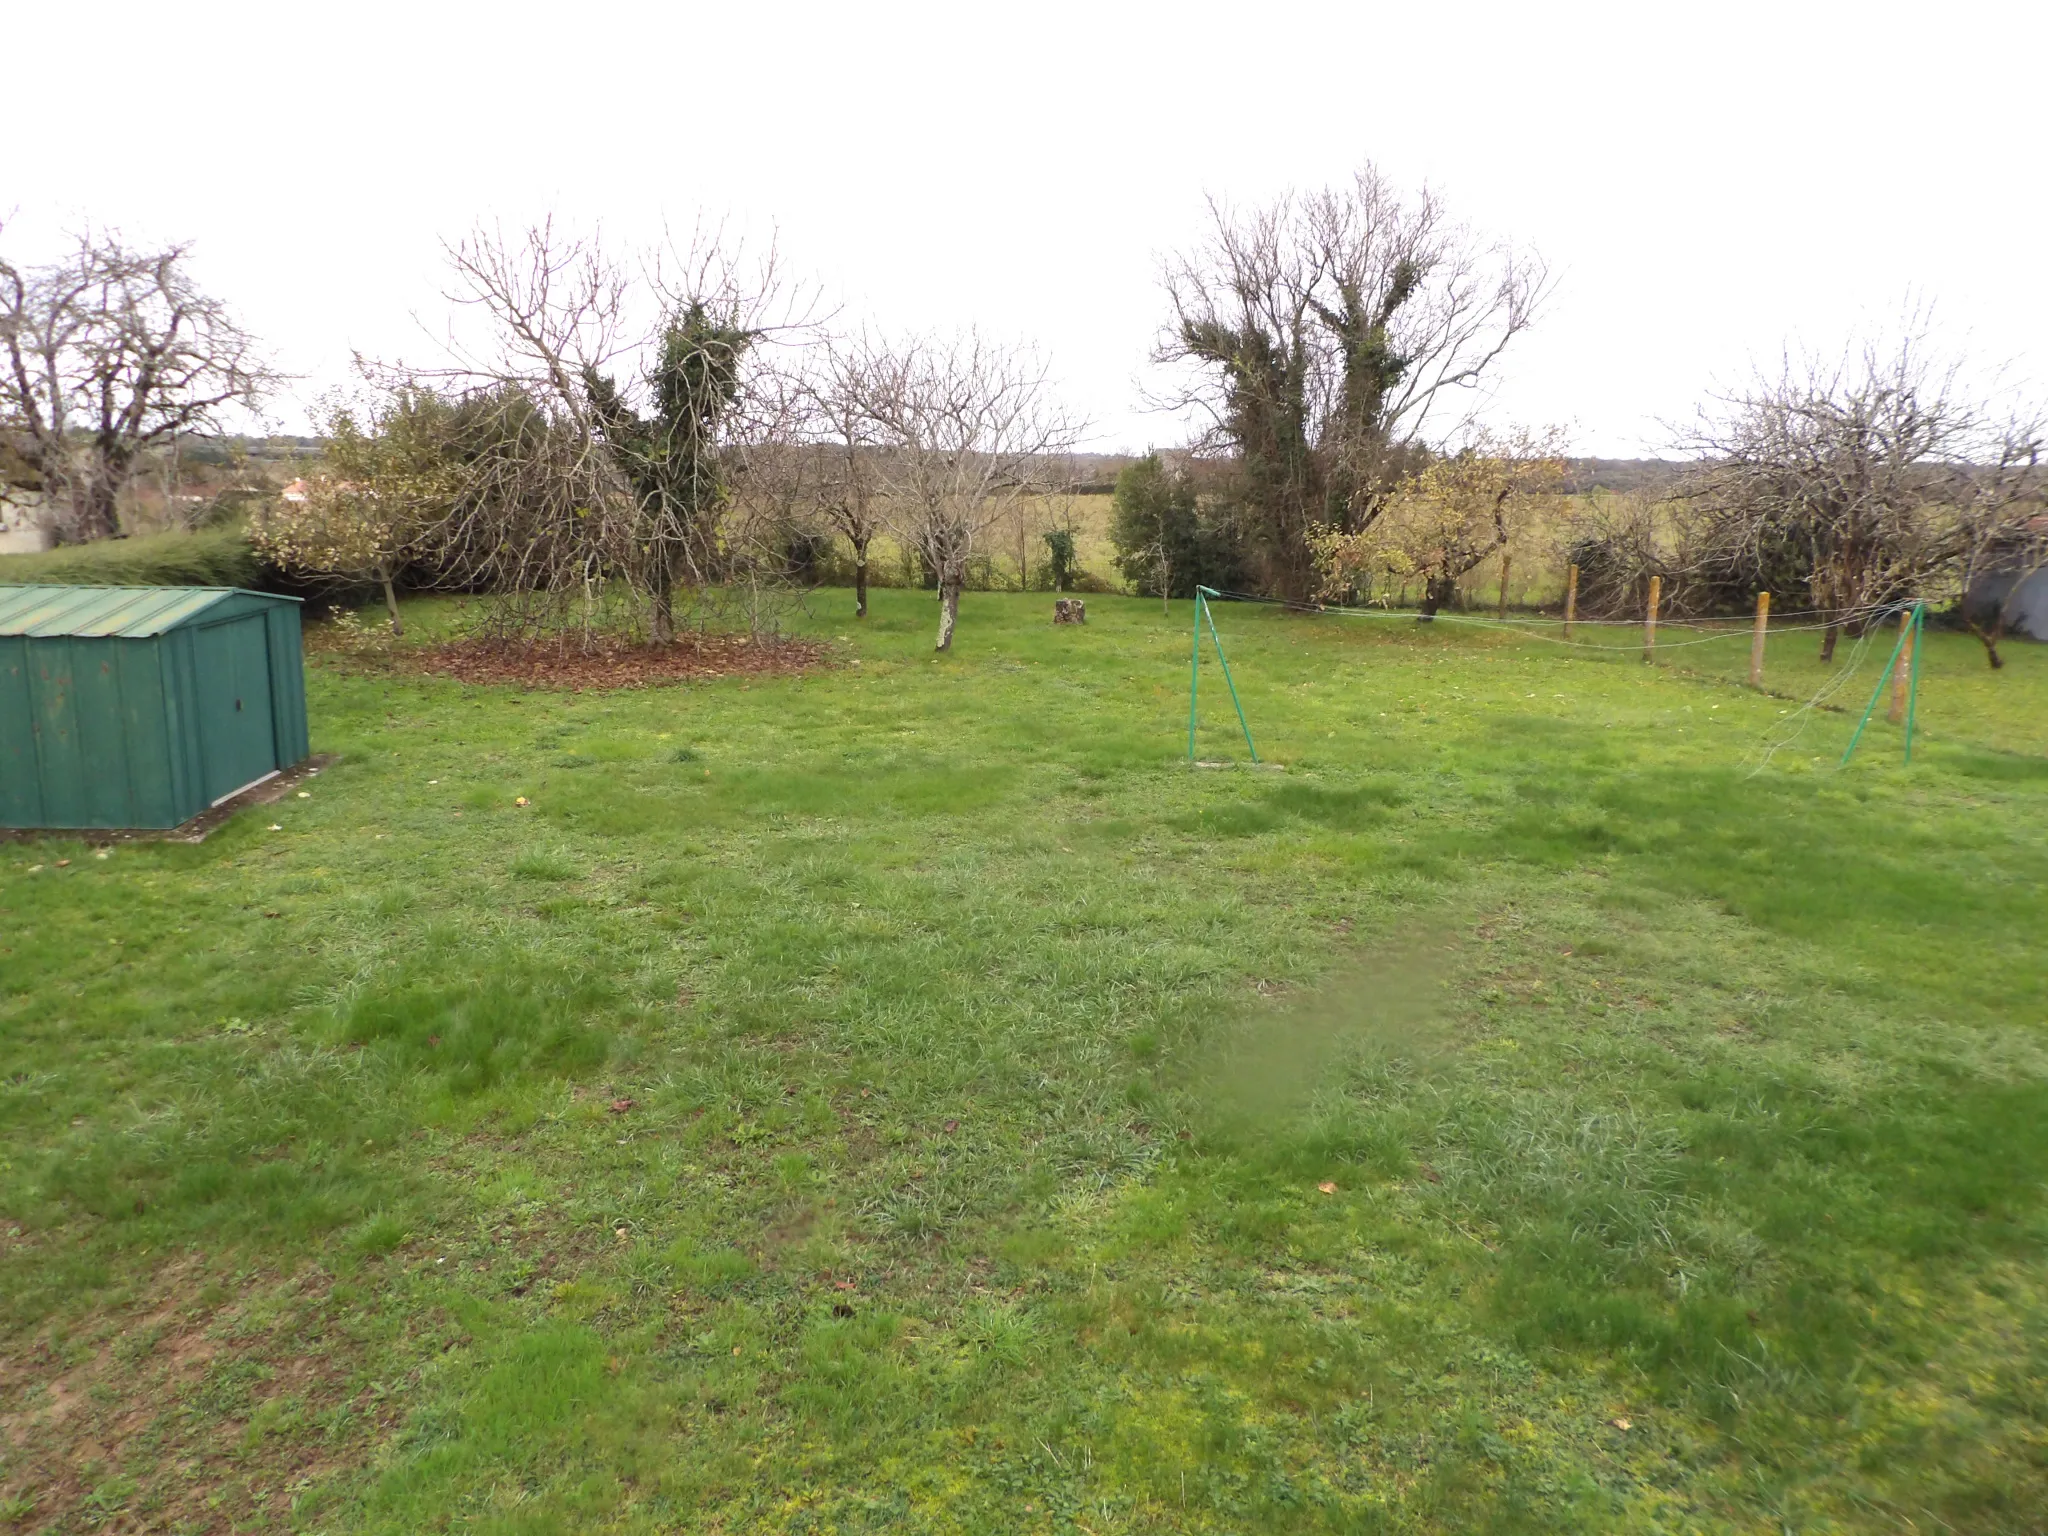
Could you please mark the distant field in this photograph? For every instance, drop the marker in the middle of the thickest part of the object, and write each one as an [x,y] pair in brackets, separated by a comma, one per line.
[1087,516]
[909,1098]
[217,556]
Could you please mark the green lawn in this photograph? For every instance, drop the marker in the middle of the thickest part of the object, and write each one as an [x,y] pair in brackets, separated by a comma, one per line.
[908,1098]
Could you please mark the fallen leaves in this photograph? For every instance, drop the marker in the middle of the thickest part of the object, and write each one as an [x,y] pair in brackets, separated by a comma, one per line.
[690,658]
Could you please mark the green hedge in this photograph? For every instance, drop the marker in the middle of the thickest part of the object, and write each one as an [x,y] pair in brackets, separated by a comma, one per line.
[213,557]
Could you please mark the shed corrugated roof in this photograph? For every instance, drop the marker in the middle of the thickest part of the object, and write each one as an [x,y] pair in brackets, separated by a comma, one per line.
[129,613]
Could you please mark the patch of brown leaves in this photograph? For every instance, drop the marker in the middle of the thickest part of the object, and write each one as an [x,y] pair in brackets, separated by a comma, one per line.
[691,658]
[158,1398]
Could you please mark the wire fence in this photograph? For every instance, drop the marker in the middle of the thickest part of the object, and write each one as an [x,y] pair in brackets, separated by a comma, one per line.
[1964,702]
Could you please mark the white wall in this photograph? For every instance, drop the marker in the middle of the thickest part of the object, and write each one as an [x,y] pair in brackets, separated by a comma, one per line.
[21,529]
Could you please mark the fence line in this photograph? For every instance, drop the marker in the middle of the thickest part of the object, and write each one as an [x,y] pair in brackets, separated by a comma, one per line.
[1527,627]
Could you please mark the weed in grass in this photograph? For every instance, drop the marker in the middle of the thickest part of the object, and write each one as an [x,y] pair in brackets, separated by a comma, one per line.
[544,866]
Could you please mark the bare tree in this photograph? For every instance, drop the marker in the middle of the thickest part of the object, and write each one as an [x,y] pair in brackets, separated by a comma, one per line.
[614,417]
[105,354]
[1880,474]
[964,428]
[1320,335]
[847,441]
[2001,531]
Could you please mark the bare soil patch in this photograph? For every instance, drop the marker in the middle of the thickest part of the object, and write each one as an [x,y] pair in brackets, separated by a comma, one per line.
[691,658]
[146,1419]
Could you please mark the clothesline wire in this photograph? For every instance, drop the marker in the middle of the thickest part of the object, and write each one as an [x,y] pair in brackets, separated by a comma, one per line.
[1525,626]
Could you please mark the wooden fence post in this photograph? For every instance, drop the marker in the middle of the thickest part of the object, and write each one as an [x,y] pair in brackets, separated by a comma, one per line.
[1756,644]
[1503,586]
[1571,600]
[1650,620]
[1902,669]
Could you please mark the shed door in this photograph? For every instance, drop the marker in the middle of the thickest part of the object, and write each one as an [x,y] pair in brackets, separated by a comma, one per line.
[236,742]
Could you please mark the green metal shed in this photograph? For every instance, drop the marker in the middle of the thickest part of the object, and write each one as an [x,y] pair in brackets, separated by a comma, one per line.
[143,706]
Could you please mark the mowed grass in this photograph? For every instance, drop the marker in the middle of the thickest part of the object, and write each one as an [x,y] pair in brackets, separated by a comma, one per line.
[908,1097]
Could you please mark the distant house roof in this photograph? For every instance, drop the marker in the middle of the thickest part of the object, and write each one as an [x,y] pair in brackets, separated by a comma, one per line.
[127,613]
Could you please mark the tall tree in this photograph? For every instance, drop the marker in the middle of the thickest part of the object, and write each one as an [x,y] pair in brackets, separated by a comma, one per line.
[107,353]
[644,402]
[671,456]
[845,445]
[1319,335]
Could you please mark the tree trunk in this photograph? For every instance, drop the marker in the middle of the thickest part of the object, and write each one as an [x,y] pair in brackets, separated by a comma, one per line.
[93,514]
[1437,592]
[1827,641]
[860,578]
[664,583]
[391,603]
[1990,635]
[950,582]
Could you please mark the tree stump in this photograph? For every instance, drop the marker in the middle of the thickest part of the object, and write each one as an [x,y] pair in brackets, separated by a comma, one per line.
[1069,610]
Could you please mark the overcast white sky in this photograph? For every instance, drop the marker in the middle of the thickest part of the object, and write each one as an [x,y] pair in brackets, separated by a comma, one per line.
[1707,180]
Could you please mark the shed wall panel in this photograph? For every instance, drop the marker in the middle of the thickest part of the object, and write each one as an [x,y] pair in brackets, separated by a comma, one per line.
[151,801]
[181,723]
[58,757]
[238,738]
[97,722]
[288,686]
[21,780]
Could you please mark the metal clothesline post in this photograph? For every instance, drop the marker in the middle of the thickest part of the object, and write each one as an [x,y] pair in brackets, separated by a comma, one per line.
[1202,612]
[1913,684]
[1883,678]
